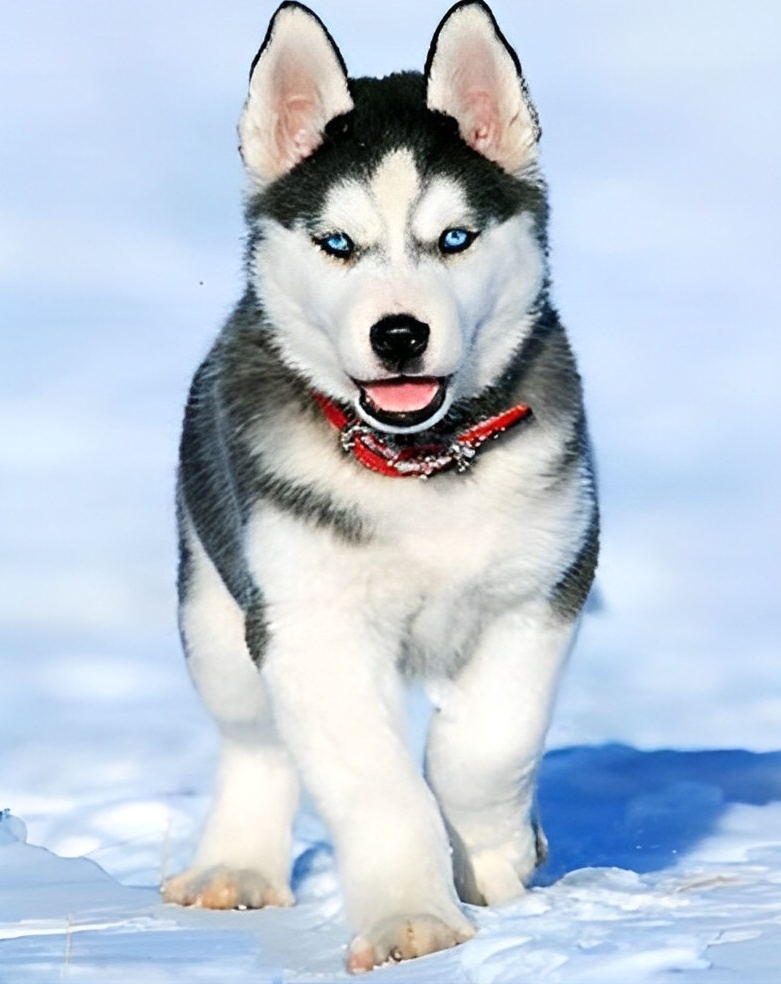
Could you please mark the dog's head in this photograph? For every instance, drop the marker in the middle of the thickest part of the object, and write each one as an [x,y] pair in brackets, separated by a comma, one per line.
[397,224]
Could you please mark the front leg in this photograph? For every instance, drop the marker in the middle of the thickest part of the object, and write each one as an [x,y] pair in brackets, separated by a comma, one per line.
[331,671]
[484,746]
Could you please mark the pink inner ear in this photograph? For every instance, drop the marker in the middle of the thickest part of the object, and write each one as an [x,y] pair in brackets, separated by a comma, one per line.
[298,113]
[297,132]
[476,85]
[482,130]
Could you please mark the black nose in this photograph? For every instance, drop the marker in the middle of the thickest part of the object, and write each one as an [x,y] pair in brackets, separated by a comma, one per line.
[399,337]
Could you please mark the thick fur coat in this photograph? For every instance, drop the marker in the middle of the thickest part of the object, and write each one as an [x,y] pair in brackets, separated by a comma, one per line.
[397,249]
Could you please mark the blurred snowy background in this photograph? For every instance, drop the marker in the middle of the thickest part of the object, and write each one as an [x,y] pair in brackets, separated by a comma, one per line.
[120,252]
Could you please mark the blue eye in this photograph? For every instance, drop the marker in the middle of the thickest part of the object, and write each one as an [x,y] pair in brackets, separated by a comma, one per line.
[456,240]
[337,244]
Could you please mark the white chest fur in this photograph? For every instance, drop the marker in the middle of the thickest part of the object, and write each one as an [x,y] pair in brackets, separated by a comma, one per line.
[439,556]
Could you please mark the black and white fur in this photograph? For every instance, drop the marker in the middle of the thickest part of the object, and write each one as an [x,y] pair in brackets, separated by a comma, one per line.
[310,587]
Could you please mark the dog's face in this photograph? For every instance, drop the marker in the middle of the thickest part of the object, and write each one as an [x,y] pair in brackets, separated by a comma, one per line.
[397,225]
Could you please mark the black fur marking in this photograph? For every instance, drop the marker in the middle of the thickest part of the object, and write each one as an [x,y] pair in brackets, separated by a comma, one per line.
[208,491]
[184,569]
[540,841]
[570,594]
[207,495]
[312,506]
[390,114]
[256,631]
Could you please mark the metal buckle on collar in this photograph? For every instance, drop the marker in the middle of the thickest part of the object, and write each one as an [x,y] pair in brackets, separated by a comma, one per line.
[348,435]
[463,455]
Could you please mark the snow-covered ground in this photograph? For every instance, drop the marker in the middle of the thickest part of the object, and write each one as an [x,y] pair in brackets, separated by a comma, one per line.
[119,255]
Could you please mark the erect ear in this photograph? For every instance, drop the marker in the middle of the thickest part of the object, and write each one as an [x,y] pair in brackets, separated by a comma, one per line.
[298,82]
[473,75]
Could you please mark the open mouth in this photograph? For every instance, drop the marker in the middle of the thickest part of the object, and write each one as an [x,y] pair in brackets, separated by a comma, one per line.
[403,403]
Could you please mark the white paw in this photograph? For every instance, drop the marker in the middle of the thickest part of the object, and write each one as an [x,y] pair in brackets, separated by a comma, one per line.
[499,874]
[220,887]
[496,878]
[403,937]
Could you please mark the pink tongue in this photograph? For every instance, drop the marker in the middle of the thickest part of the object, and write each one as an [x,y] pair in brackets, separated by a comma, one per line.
[399,397]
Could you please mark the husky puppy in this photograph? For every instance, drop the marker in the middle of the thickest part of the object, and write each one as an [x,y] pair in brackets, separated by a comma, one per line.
[384,472]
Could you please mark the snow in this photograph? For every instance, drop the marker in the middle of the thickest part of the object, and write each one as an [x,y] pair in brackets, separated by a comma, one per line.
[663,863]
[120,253]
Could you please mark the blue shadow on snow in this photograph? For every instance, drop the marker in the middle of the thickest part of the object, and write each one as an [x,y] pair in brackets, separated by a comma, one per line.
[614,805]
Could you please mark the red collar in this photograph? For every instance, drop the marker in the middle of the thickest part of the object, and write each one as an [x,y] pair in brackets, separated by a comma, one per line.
[367,446]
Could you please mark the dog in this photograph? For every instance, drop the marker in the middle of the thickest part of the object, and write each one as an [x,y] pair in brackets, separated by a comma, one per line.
[384,473]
